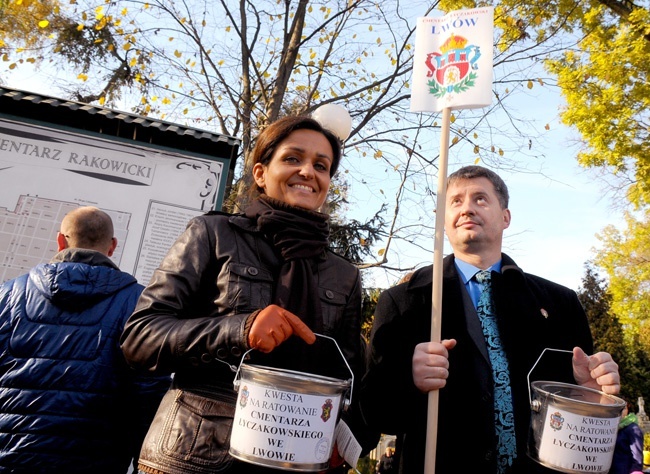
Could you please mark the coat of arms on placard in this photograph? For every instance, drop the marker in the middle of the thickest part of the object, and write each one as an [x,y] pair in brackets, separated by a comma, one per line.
[453,68]
[556,421]
[327,410]
[243,397]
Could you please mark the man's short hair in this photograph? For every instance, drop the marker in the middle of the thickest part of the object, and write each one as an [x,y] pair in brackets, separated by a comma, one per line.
[473,172]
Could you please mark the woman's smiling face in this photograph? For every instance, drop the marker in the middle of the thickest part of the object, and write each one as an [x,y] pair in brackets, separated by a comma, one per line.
[299,170]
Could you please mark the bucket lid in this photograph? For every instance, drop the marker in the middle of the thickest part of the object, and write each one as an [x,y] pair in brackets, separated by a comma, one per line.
[576,393]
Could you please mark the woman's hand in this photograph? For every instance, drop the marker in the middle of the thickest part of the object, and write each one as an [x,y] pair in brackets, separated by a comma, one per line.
[274,325]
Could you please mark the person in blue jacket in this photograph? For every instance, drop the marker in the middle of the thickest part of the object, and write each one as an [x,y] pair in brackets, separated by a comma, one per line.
[68,400]
[628,451]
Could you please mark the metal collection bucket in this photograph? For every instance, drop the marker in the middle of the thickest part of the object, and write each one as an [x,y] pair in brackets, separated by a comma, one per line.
[573,428]
[286,419]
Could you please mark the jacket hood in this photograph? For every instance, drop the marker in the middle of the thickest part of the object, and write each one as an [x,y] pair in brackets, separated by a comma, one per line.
[69,283]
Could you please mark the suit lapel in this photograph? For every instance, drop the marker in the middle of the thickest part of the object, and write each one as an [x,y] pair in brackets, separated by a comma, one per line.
[458,302]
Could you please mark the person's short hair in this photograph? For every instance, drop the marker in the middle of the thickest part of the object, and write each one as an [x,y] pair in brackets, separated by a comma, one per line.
[473,172]
[269,139]
[87,228]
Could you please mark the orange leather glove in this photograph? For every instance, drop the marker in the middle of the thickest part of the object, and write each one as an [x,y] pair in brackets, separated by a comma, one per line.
[274,325]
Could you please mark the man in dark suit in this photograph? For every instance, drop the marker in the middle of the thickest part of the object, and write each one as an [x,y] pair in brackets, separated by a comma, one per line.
[472,366]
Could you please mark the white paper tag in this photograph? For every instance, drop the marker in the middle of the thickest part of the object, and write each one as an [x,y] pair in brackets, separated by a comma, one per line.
[347,445]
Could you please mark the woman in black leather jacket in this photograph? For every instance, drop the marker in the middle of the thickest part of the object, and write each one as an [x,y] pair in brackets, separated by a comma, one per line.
[261,280]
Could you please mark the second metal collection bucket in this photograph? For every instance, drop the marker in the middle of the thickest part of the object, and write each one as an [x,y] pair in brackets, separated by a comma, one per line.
[286,419]
[573,428]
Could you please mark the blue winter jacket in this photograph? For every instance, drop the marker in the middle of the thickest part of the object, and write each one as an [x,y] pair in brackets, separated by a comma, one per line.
[68,400]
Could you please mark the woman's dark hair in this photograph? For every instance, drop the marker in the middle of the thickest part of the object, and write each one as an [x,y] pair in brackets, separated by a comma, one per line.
[269,138]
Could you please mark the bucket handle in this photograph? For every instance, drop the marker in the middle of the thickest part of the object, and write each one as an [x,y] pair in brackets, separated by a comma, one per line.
[346,402]
[530,396]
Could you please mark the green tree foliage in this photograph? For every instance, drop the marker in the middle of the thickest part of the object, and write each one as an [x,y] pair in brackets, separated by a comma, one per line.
[605,80]
[625,257]
[605,327]
[609,336]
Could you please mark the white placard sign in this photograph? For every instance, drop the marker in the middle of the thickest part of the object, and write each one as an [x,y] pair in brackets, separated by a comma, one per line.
[283,426]
[149,193]
[577,442]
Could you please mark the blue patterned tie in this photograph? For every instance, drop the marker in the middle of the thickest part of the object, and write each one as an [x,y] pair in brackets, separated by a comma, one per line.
[503,417]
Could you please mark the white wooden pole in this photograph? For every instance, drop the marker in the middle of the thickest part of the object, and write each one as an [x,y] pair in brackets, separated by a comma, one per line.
[436,290]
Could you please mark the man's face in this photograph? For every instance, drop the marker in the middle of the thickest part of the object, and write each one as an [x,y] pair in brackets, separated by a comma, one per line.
[474,219]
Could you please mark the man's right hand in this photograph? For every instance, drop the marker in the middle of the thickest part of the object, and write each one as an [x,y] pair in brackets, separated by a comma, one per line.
[274,325]
[431,364]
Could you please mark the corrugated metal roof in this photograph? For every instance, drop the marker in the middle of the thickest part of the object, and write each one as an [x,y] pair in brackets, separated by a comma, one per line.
[126,117]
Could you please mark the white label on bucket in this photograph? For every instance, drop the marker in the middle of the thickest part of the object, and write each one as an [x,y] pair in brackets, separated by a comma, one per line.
[576,442]
[283,426]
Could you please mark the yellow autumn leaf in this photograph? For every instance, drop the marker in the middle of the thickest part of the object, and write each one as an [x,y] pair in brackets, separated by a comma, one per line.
[227,29]
[477,160]
[381,252]
[177,53]
[530,84]
[102,100]
[500,152]
[454,140]
[83,77]
[476,149]
[43,24]
[166,101]
[80,27]
[99,13]
[452,119]
[185,111]
[126,46]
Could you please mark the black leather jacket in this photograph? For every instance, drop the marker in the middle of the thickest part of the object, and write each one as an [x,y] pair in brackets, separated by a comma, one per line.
[191,320]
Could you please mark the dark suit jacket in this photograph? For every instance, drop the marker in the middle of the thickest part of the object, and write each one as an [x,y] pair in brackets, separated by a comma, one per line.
[533,314]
